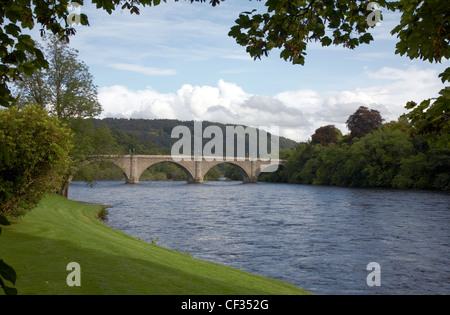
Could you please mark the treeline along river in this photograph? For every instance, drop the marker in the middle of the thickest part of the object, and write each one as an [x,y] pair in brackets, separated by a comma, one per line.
[315,237]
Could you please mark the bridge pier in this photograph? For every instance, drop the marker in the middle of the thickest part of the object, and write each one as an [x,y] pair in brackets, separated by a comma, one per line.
[198,175]
[197,181]
[132,181]
[251,180]
[133,175]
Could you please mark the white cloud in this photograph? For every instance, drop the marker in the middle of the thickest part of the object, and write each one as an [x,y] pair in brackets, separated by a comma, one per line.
[225,103]
[242,57]
[389,92]
[297,113]
[141,69]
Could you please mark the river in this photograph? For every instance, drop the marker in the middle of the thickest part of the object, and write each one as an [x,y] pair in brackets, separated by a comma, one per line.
[318,238]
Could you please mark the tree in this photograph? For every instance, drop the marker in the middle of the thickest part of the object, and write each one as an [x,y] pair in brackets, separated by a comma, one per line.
[423,33]
[38,147]
[413,173]
[303,163]
[363,121]
[326,135]
[432,118]
[331,170]
[374,160]
[289,26]
[89,144]
[19,53]
[65,88]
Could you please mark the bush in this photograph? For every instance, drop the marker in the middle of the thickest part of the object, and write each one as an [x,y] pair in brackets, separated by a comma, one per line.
[37,149]
[102,213]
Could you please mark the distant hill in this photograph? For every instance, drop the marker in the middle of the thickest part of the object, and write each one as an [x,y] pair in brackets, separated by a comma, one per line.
[159,131]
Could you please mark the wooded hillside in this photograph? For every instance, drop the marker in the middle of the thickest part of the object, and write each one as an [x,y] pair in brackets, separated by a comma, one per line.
[158,131]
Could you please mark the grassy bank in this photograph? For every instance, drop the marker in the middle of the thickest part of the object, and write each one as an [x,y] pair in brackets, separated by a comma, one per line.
[59,231]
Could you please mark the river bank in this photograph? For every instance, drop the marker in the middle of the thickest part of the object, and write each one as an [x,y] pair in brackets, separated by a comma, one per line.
[59,231]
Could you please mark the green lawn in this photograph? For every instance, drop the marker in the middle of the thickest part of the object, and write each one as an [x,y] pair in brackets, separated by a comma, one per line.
[59,231]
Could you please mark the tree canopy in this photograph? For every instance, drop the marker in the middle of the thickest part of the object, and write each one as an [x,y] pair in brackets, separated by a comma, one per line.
[326,135]
[423,33]
[363,121]
[387,157]
[66,88]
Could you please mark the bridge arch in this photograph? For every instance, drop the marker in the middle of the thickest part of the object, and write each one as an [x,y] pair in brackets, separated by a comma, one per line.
[190,177]
[110,161]
[245,175]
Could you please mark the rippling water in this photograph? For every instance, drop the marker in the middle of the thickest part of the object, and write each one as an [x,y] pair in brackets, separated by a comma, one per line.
[317,238]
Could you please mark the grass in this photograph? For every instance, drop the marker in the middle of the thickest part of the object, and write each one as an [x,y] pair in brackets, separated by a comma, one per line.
[59,231]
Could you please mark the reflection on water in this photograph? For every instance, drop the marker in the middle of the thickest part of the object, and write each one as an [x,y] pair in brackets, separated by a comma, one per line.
[318,238]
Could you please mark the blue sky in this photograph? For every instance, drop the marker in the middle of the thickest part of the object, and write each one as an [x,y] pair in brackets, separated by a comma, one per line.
[177,61]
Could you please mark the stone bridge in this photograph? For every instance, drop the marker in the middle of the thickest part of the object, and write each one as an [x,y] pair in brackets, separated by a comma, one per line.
[196,168]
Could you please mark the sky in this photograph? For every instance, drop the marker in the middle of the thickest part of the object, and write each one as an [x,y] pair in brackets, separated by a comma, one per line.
[176,61]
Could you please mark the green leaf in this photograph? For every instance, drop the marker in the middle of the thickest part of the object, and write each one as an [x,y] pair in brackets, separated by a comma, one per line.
[5,96]
[27,68]
[326,41]
[12,29]
[410,105]
[335,20]
[13,14]
[25,43]
[366,38]
[28,24]
[84,19]
[425,104]
[445,76]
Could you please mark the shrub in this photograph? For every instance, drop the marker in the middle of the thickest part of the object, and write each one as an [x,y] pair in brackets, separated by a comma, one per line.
[37,149]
